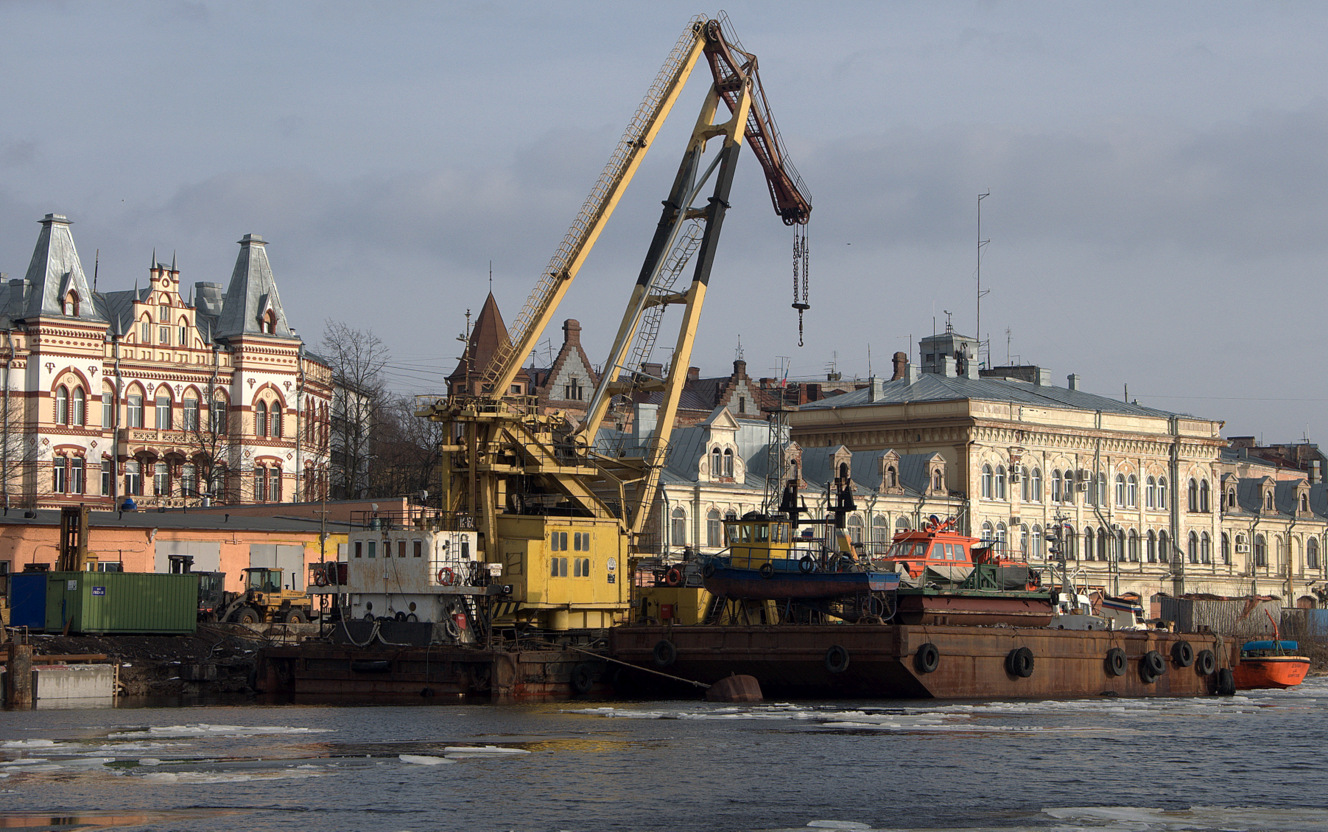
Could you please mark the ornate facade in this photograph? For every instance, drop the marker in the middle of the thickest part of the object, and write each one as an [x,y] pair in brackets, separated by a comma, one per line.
[153,396]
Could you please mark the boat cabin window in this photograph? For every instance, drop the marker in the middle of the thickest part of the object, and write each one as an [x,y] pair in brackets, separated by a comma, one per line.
[762,534]
[745,533]
[938,551]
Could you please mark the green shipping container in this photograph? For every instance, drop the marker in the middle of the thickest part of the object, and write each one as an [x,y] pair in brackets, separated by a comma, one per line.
[121,602]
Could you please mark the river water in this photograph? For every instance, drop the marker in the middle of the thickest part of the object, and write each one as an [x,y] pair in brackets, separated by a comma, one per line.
[1250,762]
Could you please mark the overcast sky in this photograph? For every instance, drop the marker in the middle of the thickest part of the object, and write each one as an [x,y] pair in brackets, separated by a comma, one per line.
[1158,175]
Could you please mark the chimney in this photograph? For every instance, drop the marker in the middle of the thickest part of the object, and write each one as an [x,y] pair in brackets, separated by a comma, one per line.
[1072,381]
[901,366]
[693,373]
[947,366]
[1043,377]
[572,332]
[913,373]
[971,368]
[653,369]
[875,389]
[1316,473]
[739,368]
[644,421]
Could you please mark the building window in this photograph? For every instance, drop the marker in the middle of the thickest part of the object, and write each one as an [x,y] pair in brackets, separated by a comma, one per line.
[1194,548]
[1031,487]
[274,484]
[260,419]
[1268,500]
[1260,552]
[107,407]
[1312,553]
[937,481]
[1205,548]
[988,533]
[164,334]
[1089,539]
[1152,548]
[161,480]
[1226,549]
[855,530]
[145,333]
[572,391]
[558,541]
[712,529]
[276,419]
[1120,491]
[881,532]
[1204,496]
[260,485]
[1070,544]
[1150,493]
[1162,503]
[133,477]
[1304,503]
[1231,498]
[891,477]
[163,411]
[1035,543]
[78,401]
[59,481]
[1000,482]
[188,480]
[1132,492]
[716,462]
[190,412]
[69,304]
[217,416]
[1133,553]
[1056,486]
[679,530]
[987,479]
[902,525]
[107,476]
[1163,547]
[728,463]
[135,408]
[62,405]
[184,336]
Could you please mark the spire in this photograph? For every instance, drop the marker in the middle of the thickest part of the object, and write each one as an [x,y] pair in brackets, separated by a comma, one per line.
[488,334]
[173,269]
[252,305]
[55,272]
[152,267]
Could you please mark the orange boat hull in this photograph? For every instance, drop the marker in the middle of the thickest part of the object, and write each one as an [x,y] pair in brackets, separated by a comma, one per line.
[1270,672]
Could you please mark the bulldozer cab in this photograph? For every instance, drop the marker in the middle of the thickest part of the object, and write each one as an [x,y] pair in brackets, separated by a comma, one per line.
[262,579]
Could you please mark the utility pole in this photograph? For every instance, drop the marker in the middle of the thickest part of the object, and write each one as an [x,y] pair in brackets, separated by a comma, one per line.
[981,243]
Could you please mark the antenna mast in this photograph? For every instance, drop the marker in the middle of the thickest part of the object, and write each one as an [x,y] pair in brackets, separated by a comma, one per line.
[981,243]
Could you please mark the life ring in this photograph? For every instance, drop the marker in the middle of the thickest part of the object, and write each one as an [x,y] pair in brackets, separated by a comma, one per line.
[320,579]
[1182,653]
[1019,662]
[928,658]
[767,570]
[583,678]
[673,577]
[876,606]
[1205,663]
[836,659]
[446,576]
[1151,666]
[1116,662]
[450,627]
[664,653]
[807,564]
[1034,580]
[1226,682]
[708,571]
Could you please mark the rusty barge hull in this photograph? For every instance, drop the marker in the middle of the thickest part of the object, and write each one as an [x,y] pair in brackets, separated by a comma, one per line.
[451,673]
[891,661]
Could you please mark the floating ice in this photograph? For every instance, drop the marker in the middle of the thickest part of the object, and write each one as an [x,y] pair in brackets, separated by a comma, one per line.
[460,751]
[205,730]
[424,760]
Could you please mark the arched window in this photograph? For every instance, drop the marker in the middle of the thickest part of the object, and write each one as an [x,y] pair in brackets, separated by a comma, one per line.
[1304,503]
[1163,547]
[1268,500]
[218,418]
[988,533]
[1089,539]
[1132,492]
[1162,494]
[1023,539]
[78,405]
[1102,538]
[1231,498]
[728,463]
[134,409]
[1150,493]
[1194,548]
[1035,481]
[712,528]
[133,478]
[107,408]
[891,477]
[260,419]
[843,471]
[1101,495]
[937,481]
[1226,549]
[1120,491]
[902,524]
[69,304]
[880,532]
[1001,537]
[1000,482]
[1260,551]
[1312,553]
[855,529]
[1056,486]
[1193,492]
[1152,547]
[62,405]
[987,488]
[679,530]
[1035,543]
[1133,551]
[1205,548]
[716,462]
[267,322]
[163,411]
[275,415]
[1069,542]
[1203,496]
[189,410]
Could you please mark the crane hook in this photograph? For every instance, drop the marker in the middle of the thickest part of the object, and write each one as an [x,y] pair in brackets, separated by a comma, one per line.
[801,273]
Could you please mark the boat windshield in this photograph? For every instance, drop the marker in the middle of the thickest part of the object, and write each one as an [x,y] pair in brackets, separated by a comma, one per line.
[909,549]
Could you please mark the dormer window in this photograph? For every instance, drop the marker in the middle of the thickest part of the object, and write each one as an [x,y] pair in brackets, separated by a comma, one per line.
[1268,500]
[891,477]
[267,323]
[69,305]
[728,463]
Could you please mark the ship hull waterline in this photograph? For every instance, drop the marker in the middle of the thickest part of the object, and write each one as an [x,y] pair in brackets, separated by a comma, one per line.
[886,661]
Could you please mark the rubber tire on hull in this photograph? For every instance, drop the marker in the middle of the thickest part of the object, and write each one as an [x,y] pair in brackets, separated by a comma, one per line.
[806,564]
[927,658]
[1182,653]
[767,570]
[1151,666]
[708,571]
[836,659]
[1019,662]
[583,678]
[1205,663]
[664,653]
[1226,682]
[1116,662]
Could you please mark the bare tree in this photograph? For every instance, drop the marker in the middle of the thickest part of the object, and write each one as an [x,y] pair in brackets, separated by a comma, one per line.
[210,446]
[406,450]
[358,358]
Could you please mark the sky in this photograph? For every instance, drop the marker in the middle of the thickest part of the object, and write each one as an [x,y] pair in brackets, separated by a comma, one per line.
[1157,176]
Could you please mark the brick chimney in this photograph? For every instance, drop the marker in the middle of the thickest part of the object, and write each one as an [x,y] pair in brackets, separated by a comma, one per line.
[572,332]
[901,366]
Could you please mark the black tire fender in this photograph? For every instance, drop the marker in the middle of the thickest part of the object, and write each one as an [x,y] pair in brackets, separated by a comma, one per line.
[1226,682]
[836,659]
[767,570]
[582,678]
[1116,662]
[664,654]
[1205,663]
[1182,653]
[1019,662]
[1151,666]
[807,564]
[927,658]
[708,571]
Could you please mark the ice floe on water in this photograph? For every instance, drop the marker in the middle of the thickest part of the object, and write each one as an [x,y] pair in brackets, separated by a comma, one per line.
[222,776]
[26,744]
[424,760]
[1196,818]
[218,731]
[457,752]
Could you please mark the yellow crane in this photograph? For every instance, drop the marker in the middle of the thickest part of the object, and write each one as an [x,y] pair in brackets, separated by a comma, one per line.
[559,519]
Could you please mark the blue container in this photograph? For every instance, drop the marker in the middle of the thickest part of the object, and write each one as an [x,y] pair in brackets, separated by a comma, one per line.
[27,600]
